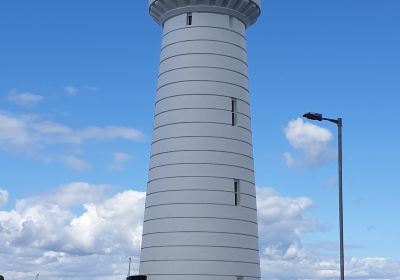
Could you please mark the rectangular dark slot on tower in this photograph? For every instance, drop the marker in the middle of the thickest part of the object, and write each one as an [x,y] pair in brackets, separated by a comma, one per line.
[236,187]
[189,19]
[233,110]
[137,277]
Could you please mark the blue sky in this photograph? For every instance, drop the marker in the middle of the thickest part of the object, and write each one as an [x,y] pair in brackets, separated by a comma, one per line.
[77,82]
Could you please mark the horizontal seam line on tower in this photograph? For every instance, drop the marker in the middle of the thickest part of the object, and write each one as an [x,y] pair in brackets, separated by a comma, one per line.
[199,94]
[202,67]
[201,231]
[207,246]
[219,123]
[204,108]
[208,218]
[197,176]
[206,53]
[203,26]
[196,203]
[243,206]
[205,150]
[205,190]
[201,163]
[201,136]
[203,40]
[245,128]
[208,81]
[196,260]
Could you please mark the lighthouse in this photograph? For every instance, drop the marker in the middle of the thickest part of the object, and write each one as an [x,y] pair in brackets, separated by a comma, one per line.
[200,220]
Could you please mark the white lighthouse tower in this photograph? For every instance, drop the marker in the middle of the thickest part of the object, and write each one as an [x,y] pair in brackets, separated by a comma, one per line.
[200,220]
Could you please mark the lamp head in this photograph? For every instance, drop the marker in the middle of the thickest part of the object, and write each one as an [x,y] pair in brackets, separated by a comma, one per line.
[313,116]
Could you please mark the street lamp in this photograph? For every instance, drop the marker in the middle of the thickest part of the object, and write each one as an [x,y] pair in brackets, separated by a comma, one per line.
[339,123]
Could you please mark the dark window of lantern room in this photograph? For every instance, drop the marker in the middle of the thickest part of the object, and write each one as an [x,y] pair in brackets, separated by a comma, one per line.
[189,19]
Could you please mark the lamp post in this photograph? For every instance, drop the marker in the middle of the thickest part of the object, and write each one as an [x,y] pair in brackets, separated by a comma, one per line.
[339,123]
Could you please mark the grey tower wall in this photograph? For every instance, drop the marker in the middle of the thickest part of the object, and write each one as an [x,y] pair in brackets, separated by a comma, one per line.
[201,217]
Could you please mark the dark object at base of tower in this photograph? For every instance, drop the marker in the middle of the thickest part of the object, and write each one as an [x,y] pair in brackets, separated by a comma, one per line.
[136,277]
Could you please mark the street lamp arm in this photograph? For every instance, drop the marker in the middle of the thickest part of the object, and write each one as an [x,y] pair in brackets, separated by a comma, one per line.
[338,121]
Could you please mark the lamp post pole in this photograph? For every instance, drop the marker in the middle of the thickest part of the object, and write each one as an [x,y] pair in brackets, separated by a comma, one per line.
[339,123]
[340,169]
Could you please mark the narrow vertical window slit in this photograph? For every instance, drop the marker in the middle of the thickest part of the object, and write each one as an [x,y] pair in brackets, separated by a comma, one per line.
[189,19]
[234,111]
[236,188]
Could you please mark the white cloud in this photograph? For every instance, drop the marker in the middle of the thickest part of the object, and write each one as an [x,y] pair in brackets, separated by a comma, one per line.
[3,197]
[70,90]
[14,131]
[281,220]
[30,133]
[45,234]
[311,140]
[119,160]
[111,227]
[76,163]
[282,225]
[69,195]
[24,98]
[309,266]
[58,133]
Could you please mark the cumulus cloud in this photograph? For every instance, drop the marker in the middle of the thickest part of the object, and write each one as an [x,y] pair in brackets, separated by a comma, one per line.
[48,222]
[47,234]
[3,197]
[76,163]
[30,133]
[119,160]
[311,140]
[283,222]
[24,98]
[103,228]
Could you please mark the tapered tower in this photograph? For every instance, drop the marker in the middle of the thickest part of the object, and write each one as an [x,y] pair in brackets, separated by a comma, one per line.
[200,219]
